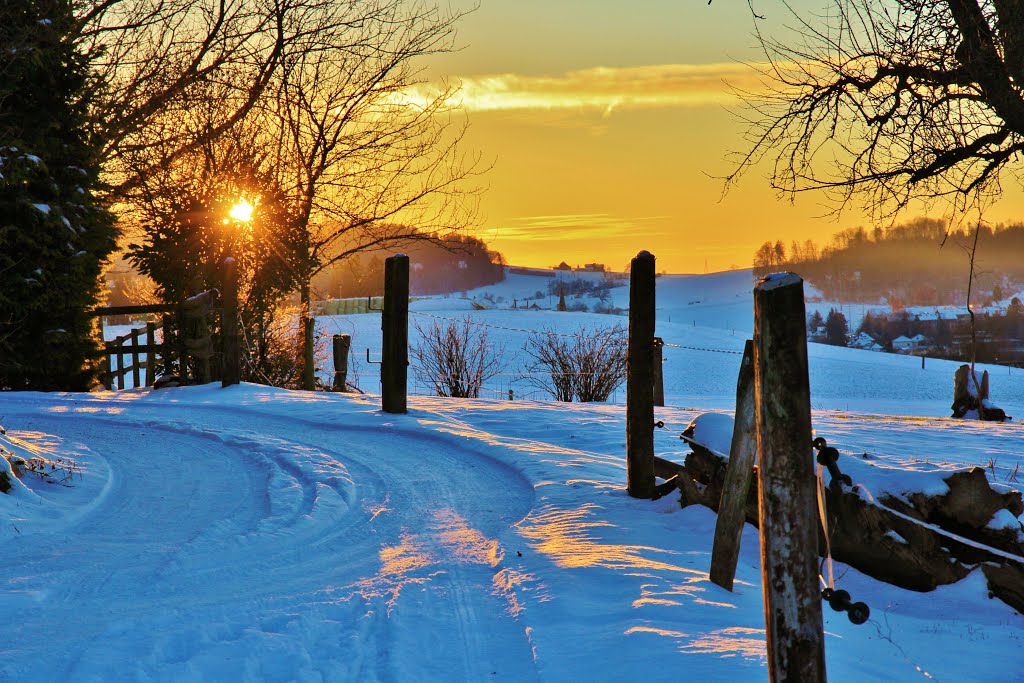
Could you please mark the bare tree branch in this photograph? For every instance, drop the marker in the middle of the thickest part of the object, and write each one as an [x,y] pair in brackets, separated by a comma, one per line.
[885,103]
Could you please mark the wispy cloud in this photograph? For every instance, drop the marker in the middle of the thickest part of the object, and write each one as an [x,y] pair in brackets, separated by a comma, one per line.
[556,228]
[602,89]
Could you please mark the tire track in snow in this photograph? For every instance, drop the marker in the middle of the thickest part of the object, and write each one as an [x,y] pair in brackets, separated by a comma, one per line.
[247,544]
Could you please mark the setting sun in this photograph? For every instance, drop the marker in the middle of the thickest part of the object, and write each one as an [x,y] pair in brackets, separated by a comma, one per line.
[241,211]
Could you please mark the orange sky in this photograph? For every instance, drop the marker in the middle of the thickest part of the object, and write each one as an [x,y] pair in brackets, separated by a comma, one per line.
[609,124]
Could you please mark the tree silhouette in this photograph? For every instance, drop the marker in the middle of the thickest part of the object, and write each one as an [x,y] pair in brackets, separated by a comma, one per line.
[891,102]
[836,328]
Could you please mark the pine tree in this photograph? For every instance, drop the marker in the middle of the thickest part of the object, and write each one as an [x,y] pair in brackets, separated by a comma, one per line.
[815,322]
[54,232]
[836,328]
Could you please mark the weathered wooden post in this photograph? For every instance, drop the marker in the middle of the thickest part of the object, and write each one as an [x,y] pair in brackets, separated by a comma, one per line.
[150,353]
[394,362]
[231,372]
[108,377]
[341,343]
[198,341]
[738,474]
[179,328]
[787,499]
[308,355]
[136,378]
[640,379]
[659,376]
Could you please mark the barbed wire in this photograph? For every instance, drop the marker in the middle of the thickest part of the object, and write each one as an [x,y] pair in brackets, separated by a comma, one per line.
[562,334]
[702,348]
[471,321]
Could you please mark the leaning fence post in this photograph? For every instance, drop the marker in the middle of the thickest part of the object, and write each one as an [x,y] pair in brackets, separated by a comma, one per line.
[341,343]
[732,508]
[231,372]
[787,509]
[394,367]
[640,379]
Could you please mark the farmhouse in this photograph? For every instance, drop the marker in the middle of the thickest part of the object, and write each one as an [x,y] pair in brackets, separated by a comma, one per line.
[902,344]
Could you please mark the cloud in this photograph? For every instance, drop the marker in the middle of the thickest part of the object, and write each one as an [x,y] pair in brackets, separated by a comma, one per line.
[601,89]
[556,228]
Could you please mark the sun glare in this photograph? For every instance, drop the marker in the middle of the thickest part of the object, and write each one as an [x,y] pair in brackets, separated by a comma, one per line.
[241,211]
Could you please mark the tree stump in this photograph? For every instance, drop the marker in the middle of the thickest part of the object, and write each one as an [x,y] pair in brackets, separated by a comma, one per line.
[970,396]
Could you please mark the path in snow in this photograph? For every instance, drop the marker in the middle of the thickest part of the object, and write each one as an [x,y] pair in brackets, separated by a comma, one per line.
[291,559]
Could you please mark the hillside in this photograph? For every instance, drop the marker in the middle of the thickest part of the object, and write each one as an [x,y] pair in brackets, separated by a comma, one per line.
[704,320]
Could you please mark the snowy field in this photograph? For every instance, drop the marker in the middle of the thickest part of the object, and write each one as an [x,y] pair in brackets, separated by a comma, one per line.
[255,534]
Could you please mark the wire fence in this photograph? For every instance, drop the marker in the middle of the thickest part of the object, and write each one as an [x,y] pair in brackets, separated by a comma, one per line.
[523,385]
[516,386]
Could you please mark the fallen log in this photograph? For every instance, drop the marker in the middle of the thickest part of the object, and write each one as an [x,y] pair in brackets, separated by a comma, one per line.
[910,543]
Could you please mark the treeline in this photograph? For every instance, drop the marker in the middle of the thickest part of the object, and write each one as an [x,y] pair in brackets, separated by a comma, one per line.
[912,264]
[452,264]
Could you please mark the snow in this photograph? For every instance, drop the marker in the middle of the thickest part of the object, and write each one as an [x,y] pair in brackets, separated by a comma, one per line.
[43,208]
[257,534]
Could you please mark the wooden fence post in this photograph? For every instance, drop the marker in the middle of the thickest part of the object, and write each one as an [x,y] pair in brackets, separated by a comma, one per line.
[179,328]
[150,353]
[659,376]
[787,499]
[640,379]
[136,379]
[341,344]
[308,352]
[108,377]
[394,362]
[732,513]
[231,370]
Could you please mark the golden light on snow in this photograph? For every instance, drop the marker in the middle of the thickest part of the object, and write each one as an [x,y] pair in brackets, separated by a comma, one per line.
[566,537]
[464,543]
[242,211]
[736,641]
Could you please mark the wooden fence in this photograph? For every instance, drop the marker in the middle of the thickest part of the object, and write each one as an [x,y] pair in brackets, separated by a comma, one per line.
[146,356]
[773,417]
[186,347]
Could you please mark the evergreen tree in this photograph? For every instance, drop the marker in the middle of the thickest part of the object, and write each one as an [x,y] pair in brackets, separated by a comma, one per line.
[815,321]
[836,328]
[54,232]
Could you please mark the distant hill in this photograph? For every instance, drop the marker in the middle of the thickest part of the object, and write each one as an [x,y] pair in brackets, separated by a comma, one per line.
[912,264]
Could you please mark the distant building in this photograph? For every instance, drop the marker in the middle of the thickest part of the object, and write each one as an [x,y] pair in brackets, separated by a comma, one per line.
[562,266]
[864,341]
[902,344]
[593,268]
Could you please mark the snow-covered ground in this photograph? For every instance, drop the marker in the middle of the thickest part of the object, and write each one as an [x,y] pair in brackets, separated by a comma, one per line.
[256,534]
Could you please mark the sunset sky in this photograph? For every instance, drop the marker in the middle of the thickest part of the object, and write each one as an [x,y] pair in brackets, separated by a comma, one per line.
[609,125]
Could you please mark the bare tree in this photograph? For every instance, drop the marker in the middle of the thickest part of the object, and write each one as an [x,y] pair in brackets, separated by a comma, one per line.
[365,164]
[892,101]
[457,357]
[320,89]
[154,61]
[586,366]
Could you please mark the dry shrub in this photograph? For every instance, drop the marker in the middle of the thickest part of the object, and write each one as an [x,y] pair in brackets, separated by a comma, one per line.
[586,366]
[457,357]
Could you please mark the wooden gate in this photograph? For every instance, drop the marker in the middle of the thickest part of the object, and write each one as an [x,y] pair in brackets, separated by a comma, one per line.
[186,347]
